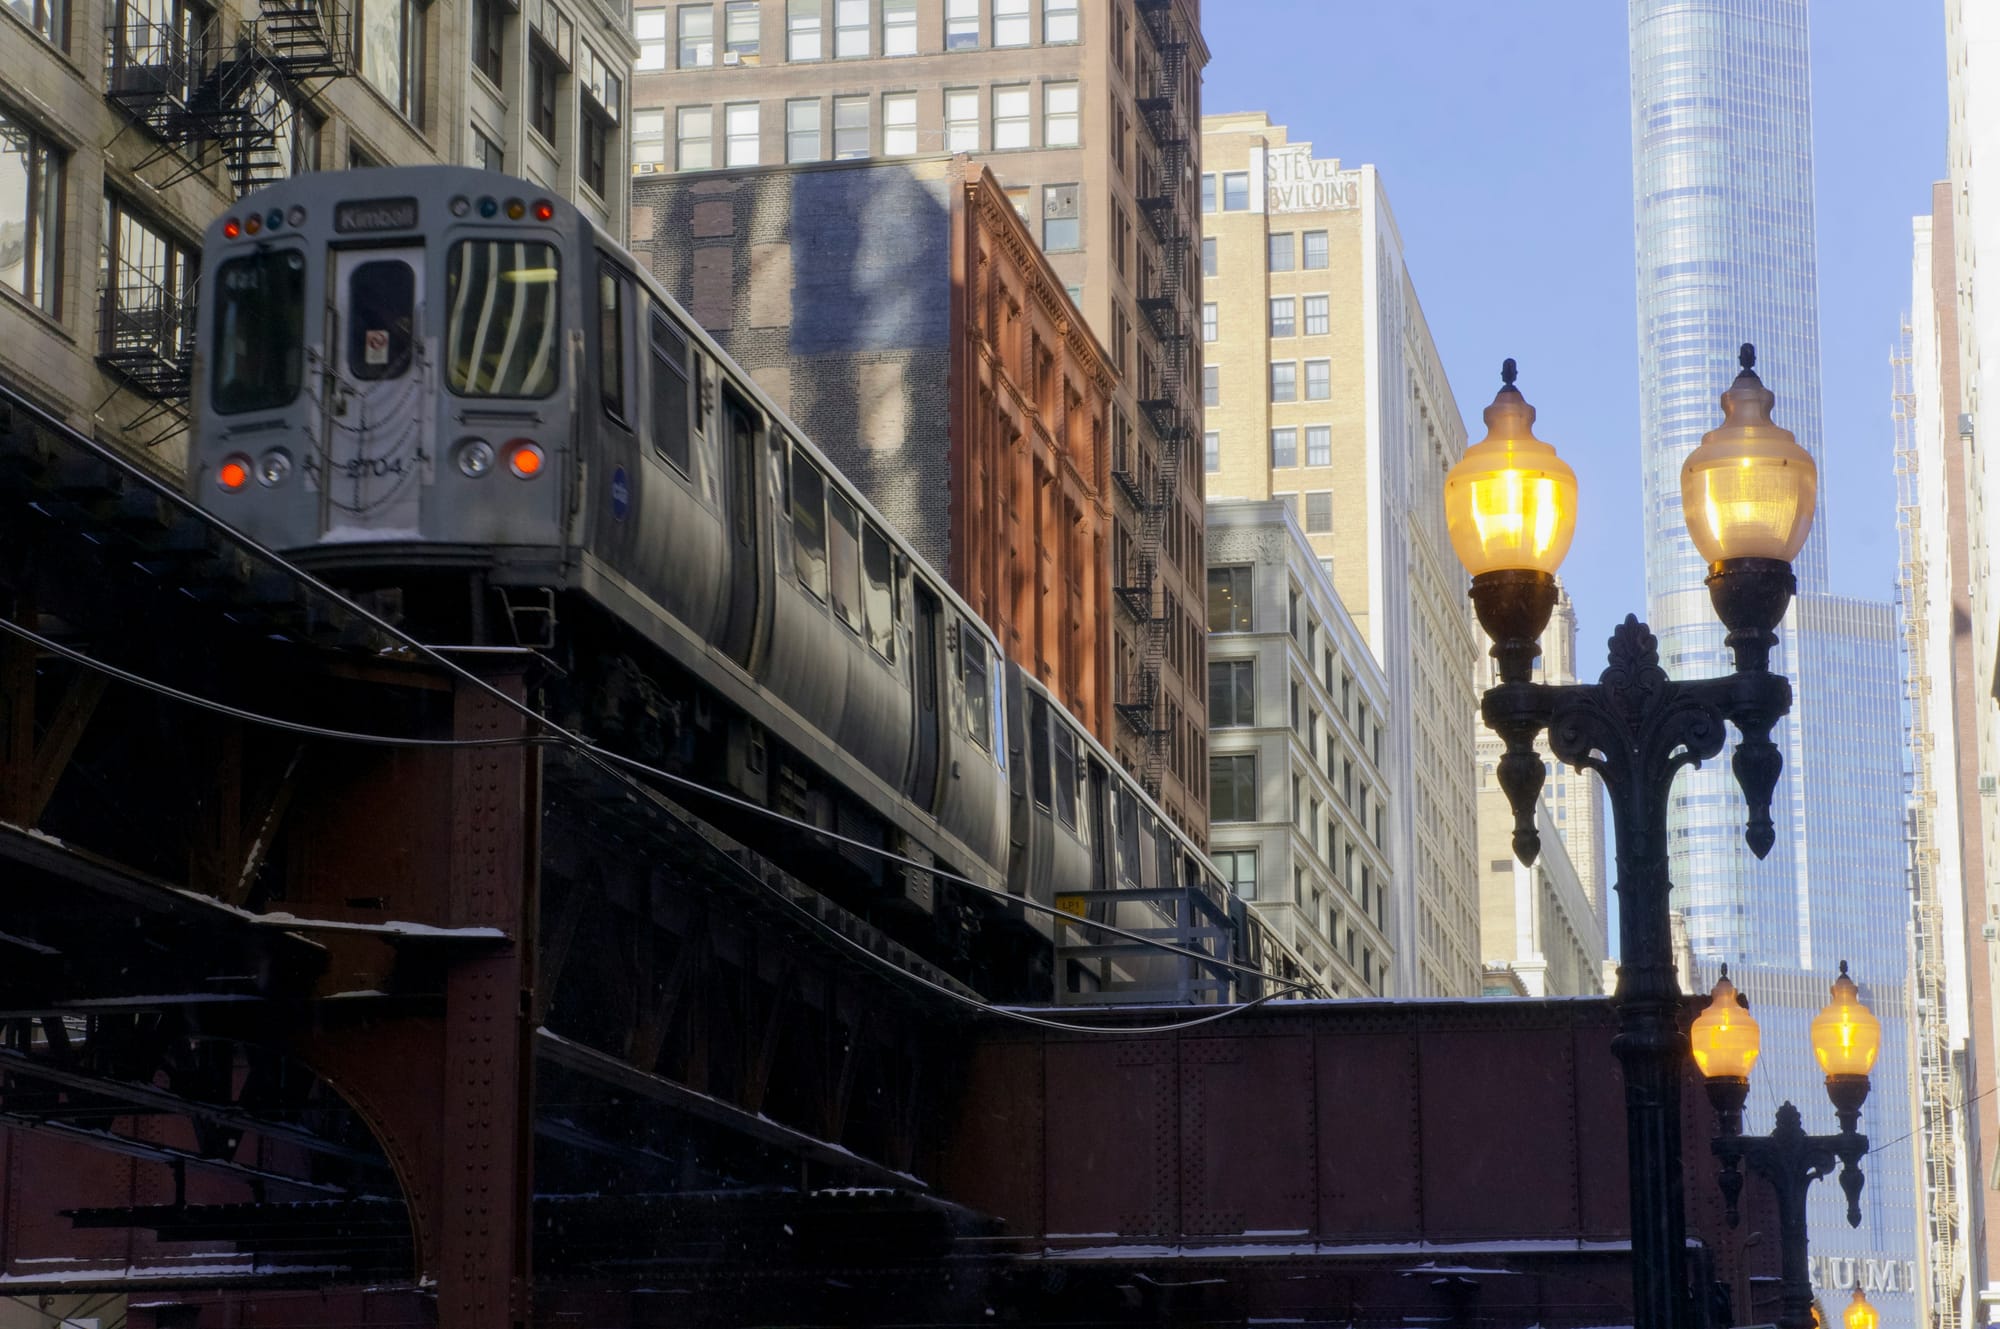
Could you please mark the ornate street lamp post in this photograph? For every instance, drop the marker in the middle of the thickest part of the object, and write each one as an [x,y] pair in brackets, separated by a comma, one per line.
[1846,1036]
[1747,494]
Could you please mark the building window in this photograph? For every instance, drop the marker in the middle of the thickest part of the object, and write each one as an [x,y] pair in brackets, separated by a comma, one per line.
[1232,788]
[1319,445]
[802,130]
[850,29]
[1019,196]
[1211,385]
[739,133]
[697,33]
[1315,250]
[392,53]
[597,134]
[1283,323]
[1238,869]
[1211,452]
[961,25]
[1236,191]
[899,27]
[1208,254]
[1319,380]
[1284,380]
[31,180]
[649,141]
[1207,194]
[1010,22]
[1232,693]
[1062,227]
[694,138]
[148,290]
[741,38]
[1316,316]
[1281,252]
[802,32]
[961,119]
[1210,322]
[1059,21]
[603,94]
[488,155]
[49,19]
[850,128]
[650,27]
[544,76]
[1229,599]
[1319,520]
[1010,117]
[1060,115]
[489,23]
[899,124]
[1284,447]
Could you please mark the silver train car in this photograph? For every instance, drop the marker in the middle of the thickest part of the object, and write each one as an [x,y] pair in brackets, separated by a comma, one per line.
[446,387]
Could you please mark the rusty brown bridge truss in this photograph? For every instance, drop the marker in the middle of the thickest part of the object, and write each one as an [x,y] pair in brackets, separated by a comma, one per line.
[471,1031]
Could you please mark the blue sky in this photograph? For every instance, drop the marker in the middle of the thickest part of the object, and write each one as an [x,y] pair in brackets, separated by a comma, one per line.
[1502,132]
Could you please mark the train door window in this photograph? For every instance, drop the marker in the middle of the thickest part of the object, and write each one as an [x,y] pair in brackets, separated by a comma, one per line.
[381,319]
[1065,774]
[1038,749]
[611,304]
[972,656]
[670,393]
[878,591]
[809,524]
[844,558]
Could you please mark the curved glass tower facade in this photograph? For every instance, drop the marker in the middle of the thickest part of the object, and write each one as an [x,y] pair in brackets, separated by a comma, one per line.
[1724,230]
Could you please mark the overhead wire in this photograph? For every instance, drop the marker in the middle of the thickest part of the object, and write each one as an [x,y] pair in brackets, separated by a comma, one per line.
[606,760]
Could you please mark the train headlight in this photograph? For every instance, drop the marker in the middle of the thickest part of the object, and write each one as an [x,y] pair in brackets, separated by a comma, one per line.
[274,467]
[233,474]
[525,459]
[475,457]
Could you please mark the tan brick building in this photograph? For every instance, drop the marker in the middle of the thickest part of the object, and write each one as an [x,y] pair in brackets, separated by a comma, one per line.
[127,125]
[1088,112]
[1322,386]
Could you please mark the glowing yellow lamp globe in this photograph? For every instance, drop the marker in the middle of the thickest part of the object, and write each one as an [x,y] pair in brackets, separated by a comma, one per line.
[1748,491]
[1724,1038]
[1510,502]
[1859,1313]
[1845,1033]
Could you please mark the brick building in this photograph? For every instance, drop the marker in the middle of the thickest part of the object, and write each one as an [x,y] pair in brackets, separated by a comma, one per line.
[902,315]
[127,125]
[1088,113]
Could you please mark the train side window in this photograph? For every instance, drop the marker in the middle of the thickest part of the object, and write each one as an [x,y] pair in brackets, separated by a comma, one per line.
[809,525]
[881,600]
[611,303]
[1065,774]
[670,394]
[1038,749]
[1128,837]
[972,656]
[844,557]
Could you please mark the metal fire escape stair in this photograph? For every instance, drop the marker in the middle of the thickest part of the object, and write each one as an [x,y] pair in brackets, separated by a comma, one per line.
[1167,119]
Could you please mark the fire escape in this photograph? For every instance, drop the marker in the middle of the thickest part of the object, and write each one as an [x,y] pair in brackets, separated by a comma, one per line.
[207,99]
[1169,122]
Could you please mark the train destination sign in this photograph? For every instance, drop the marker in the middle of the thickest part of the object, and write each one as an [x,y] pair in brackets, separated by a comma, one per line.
[1295,182]
[376,214]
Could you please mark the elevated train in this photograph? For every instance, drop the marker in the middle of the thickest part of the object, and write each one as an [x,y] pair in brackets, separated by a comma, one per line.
[449,385]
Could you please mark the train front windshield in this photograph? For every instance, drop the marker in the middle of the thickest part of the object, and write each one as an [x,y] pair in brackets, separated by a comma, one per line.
[503,320]
[260,331]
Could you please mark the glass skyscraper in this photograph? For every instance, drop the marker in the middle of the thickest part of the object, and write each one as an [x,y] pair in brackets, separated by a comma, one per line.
[1724,229]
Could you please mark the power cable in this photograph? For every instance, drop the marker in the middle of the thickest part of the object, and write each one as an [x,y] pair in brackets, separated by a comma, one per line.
[607,761]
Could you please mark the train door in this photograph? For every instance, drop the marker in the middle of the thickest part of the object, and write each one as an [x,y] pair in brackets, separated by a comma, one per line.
[924,683]
[1102,835]
[742,430]
[377,421]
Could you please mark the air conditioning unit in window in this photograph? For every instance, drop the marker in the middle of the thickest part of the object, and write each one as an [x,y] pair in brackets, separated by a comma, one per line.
[644,168]
[1988,785]
[732,57]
